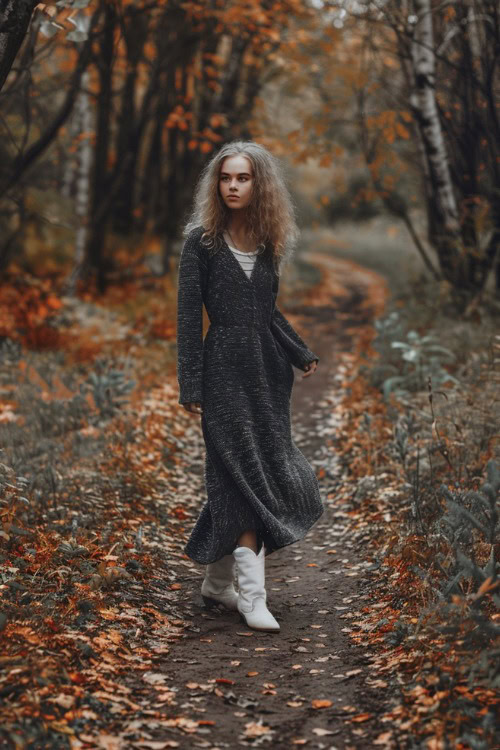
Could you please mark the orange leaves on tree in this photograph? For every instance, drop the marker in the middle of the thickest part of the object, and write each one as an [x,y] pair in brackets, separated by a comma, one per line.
[178,118]
[218,120]
[449,14]
[389,124]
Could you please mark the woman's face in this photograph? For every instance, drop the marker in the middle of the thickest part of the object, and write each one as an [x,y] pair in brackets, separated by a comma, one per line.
[236,181]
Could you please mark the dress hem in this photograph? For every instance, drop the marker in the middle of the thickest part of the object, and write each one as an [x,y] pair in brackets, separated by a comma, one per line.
[267,550]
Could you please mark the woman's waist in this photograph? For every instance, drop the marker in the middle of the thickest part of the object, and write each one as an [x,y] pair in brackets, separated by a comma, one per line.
[260,324]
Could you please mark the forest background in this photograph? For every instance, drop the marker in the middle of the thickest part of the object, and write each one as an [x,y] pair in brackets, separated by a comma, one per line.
[386,117]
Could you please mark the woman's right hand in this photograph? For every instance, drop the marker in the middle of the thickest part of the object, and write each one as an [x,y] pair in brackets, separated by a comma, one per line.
[194,407]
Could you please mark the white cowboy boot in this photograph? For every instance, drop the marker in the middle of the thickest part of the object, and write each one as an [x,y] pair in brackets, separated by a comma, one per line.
[252,594]
[218,584]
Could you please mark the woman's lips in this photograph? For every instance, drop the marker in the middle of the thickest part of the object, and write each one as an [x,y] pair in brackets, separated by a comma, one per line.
[234,196]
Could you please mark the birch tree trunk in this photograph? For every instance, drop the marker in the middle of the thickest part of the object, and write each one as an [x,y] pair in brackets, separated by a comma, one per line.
[444,231]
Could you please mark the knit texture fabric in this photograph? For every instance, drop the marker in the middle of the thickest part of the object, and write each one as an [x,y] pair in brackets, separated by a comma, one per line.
[242,374]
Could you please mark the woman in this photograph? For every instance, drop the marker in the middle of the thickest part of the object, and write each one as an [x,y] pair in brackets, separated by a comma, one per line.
[262,493]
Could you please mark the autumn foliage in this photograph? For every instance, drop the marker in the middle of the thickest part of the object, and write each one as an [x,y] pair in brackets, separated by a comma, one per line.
[26,309]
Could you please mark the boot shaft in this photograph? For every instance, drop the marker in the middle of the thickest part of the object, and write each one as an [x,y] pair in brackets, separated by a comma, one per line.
[251,573]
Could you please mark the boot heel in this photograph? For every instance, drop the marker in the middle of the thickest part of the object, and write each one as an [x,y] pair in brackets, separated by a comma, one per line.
[208,602]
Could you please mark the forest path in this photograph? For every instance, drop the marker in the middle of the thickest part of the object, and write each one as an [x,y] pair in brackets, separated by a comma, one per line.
[256,688]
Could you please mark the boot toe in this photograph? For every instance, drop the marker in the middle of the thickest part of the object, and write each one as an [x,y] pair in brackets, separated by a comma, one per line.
[259,617]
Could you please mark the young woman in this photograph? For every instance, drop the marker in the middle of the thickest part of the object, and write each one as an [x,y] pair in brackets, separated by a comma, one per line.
[262,492]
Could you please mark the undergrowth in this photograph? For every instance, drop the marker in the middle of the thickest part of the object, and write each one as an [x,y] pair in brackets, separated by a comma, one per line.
[437,380]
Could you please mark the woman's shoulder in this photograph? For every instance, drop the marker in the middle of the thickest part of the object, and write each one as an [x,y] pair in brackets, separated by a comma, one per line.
[195,234]
[195,246]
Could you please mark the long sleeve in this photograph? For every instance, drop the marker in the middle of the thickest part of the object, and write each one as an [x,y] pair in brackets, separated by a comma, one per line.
[296,349]
[191,280]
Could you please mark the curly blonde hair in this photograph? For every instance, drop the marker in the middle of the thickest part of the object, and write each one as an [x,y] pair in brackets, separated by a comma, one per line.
[270,215]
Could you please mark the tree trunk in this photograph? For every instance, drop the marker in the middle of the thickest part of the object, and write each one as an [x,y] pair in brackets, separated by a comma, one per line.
[445,228]
[15,17]
[135,32]
[98,217]
[82,124]
[24,160]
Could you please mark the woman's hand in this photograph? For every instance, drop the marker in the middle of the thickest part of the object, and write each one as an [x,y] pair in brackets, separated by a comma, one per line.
[194,407]
[310,368]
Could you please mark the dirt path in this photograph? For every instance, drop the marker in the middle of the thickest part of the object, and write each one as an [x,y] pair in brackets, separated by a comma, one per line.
[252,688]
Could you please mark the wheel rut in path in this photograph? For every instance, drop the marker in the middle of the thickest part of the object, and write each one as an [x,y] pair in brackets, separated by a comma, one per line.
[261,688]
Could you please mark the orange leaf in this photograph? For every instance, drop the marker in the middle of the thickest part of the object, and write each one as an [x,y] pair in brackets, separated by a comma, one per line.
[361,717]
[319,703]
[53,302]
[402,131]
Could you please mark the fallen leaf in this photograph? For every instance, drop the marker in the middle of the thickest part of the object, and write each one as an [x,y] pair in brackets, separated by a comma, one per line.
[252,674]
[155,744]
[321,703]
[254,729]
[382,739]
[66,701]
[59,726]
[154,678]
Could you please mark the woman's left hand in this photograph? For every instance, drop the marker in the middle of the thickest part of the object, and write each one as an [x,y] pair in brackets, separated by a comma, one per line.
[311,367]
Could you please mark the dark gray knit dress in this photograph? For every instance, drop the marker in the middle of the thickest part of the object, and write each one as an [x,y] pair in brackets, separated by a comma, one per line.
[241,372]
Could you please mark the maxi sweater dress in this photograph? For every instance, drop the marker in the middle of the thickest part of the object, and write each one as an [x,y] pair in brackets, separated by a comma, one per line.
[242,374]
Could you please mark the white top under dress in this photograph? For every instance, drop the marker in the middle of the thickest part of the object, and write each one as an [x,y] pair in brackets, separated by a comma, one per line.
[246,260]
